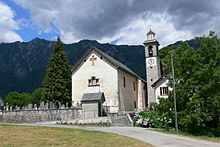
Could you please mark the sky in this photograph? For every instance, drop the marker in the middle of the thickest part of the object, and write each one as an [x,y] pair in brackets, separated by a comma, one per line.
[108,21]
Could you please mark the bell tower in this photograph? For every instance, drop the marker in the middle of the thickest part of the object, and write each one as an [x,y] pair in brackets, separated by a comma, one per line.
[153,72]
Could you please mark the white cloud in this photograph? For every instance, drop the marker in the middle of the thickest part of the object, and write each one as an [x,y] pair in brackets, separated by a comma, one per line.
[135,32]
[8,24]
[68,37]
[126,20]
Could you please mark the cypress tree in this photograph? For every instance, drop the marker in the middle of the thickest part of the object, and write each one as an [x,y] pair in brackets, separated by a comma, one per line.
[57,81]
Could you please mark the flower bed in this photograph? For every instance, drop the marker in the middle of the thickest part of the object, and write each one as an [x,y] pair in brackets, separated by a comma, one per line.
[151,119]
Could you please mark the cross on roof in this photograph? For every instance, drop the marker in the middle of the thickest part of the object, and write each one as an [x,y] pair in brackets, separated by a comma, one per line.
[93,59]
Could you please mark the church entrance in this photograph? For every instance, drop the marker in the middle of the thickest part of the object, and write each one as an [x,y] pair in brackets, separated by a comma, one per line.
[92,105]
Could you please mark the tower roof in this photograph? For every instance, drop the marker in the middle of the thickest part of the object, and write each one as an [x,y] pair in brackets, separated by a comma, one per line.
[151,32]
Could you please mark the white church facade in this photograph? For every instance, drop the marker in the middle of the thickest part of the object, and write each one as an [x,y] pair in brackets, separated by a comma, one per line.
[97,72]
[122,90]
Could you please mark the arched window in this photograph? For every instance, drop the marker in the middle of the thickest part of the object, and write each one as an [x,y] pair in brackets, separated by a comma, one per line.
[93,81]
[150,51]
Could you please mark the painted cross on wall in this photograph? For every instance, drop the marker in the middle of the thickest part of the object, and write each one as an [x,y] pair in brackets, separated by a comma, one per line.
[93,59]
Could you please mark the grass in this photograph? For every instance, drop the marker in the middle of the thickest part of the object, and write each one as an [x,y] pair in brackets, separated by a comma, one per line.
[180,133]
[28,136]
[11,122]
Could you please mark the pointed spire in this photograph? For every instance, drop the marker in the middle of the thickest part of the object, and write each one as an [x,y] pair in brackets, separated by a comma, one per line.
[151,32]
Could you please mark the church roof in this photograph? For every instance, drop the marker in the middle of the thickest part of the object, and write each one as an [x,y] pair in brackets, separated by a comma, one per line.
[111,60]
[93,96]
[164,77]
[151,32]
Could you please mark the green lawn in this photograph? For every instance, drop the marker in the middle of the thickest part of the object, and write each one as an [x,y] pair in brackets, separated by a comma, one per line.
[28,136]
[172,131]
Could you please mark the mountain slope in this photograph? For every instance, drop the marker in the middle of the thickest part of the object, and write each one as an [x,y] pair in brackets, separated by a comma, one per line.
[23,64]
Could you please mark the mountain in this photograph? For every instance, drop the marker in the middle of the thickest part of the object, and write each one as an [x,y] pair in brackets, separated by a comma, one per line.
[191,42]
[23,64]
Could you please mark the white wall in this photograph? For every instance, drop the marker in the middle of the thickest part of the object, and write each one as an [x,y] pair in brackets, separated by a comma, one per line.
[108,80]
[162,83]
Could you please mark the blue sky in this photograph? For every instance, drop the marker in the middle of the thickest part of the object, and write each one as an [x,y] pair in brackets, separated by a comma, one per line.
[117,22]
[28,30]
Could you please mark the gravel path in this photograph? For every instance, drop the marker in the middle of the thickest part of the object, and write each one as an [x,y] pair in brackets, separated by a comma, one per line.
[155,138]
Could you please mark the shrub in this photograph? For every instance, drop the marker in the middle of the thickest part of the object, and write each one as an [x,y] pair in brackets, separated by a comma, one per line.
[152,119]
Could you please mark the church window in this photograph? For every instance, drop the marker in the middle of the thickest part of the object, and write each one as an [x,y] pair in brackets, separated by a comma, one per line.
[150,51]
[124,82]
[93,81]
[135,104]
[134,86]
[163,91]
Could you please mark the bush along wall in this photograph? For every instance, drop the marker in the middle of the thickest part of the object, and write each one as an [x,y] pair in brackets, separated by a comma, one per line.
[152,119]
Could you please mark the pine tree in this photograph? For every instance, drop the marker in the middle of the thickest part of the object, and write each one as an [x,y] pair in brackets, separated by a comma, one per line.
[57,81]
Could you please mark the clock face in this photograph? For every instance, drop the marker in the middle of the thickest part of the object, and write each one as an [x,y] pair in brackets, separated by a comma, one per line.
[151,61]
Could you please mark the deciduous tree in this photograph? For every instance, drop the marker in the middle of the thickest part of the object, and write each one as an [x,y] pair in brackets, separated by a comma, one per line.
[197,73]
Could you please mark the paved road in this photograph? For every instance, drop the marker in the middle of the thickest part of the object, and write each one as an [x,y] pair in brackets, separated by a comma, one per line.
[155,138]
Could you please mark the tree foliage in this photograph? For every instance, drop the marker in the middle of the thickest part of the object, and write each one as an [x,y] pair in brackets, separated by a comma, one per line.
[14,99]
[57,81]
[36,96]
[197,73]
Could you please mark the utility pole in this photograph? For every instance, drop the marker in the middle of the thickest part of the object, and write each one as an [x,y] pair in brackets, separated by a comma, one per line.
[174,94]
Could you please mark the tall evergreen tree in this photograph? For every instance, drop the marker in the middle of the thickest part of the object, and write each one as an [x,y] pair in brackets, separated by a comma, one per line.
[57,81]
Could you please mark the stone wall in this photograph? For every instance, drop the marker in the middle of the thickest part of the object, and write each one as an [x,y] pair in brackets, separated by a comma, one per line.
[45,112]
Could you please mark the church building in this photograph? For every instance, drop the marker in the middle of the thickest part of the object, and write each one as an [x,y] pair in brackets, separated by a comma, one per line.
[97,77]
[96,72]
